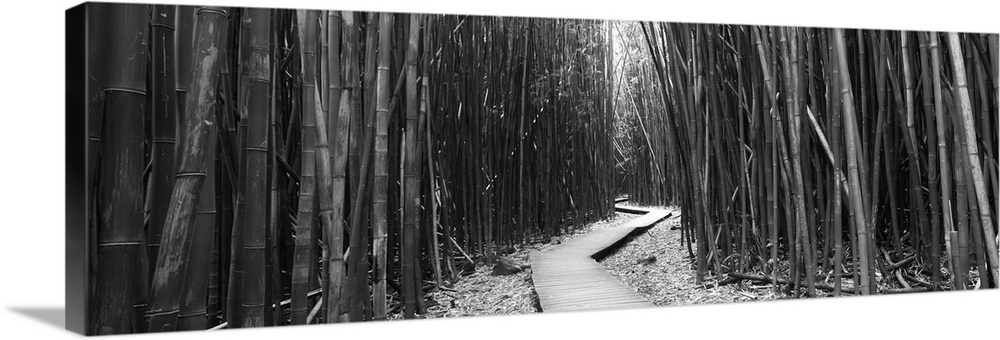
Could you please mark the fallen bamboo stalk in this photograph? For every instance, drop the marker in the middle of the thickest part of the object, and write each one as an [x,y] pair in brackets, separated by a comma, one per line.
[914,278]
[901,263]
[905,290]
[314,311]
[899,277]
[460,250]
[781,280]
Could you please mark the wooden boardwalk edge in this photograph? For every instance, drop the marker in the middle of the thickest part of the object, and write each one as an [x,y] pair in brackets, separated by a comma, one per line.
[568,278]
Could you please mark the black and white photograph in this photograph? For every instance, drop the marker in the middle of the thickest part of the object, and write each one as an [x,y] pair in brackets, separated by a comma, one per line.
[234,167]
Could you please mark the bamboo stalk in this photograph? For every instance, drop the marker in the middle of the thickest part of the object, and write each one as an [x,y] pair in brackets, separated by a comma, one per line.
[324,184]
[302,263]
[258,74]
[797,186]
[120,282]
[357,268]
[168,278]
[852,162]
[164,122]
[380,187]
[912,148]
[411,183]
[972,152]
[942,146]
[432,183]
[335,243]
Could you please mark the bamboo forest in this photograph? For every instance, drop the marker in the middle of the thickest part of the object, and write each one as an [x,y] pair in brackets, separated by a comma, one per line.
[252,167]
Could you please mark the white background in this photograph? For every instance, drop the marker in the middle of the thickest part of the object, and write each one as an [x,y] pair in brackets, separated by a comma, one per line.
[32,163]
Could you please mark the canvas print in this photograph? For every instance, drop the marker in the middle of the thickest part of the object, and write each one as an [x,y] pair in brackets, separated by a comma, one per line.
[258,167]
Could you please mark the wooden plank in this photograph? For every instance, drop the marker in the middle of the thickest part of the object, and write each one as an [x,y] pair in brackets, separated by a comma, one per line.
[566,277]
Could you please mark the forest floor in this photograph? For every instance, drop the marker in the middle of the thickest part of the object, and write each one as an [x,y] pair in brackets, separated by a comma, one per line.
[656,264]
[653,262]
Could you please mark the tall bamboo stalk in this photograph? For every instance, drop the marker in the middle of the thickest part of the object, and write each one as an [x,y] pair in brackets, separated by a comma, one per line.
[942,149]
[972,152]
[121,265]
[357,269]
[411,183]
[304,239]
[168,278]
[911,143]
[257,66]
[432,183]
[798,190]
[164,128]
[335,242]
[330,73]
[852,162]
[381,185]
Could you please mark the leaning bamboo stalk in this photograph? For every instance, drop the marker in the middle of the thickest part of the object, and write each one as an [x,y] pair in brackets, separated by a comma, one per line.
[168,279]
[976,235]
[987,119]
[840,179]
[852,162]
[193,309]
[972,151]
[164,122]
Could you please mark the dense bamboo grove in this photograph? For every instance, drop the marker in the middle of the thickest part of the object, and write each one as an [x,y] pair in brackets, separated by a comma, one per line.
[260,167]
[326,166]
[852,161]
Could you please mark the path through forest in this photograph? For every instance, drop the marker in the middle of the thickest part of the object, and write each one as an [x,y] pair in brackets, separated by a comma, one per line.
[567,278]
[649,261]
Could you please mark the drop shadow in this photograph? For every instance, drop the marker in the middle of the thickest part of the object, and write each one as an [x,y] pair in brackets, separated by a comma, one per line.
[53,316]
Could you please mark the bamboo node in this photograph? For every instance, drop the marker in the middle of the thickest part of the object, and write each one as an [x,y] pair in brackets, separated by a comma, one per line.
[122,89]
[189,174]
[212,10]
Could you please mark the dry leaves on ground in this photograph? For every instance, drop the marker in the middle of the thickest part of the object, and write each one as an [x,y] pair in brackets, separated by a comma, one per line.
[669,280]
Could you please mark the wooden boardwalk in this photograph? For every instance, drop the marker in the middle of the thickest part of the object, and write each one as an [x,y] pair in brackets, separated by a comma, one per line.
[567,278]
